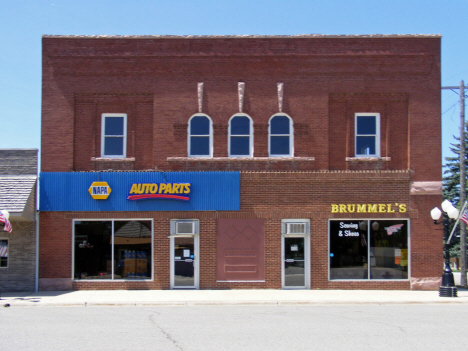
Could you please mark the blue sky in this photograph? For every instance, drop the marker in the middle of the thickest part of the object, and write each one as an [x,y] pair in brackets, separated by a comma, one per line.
[23,22]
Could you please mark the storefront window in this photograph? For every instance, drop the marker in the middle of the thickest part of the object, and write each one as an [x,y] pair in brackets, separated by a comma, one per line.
[368,249]
[112,250]
[389,249]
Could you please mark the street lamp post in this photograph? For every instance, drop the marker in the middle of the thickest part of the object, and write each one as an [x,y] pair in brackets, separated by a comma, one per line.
[447,288]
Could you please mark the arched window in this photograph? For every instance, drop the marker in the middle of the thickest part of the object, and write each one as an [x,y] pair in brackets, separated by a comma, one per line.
[281,136]
[240,136]
[200,136]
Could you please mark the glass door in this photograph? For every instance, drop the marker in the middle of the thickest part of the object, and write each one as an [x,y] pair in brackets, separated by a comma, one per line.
[184,264]
[294,262]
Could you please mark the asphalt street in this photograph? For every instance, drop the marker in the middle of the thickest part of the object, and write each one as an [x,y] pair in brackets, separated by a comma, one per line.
[227,327]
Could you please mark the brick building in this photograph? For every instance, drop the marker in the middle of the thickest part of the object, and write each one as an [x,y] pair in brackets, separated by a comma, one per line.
[240,162]
[18,177]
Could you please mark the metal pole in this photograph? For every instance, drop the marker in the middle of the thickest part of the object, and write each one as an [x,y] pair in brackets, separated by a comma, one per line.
[447,288]
[447,277]
[463,281]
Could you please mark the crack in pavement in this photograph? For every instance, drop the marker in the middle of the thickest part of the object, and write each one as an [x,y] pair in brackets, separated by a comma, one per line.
[168,336]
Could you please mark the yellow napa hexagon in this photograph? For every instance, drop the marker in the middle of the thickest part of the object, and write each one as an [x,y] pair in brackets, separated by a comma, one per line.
[99,190]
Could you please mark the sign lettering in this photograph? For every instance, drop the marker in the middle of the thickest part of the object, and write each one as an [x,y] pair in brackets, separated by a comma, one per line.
[99,190]
[368,208]
[144,191]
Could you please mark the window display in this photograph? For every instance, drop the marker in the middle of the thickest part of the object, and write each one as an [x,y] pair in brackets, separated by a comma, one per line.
[112,249]
[368,249]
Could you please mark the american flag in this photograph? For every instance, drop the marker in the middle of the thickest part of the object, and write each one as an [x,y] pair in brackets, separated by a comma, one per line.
[3,251]
[6,223]
[464,218]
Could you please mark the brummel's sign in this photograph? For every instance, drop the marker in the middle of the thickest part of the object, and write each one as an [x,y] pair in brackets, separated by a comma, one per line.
[368,208]
[144,191]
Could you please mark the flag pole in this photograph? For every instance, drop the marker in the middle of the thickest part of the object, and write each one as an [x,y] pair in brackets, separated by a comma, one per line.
[456,223]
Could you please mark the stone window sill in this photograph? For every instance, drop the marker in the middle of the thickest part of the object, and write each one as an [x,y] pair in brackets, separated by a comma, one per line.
[239,159]
[368,159]
[108,159]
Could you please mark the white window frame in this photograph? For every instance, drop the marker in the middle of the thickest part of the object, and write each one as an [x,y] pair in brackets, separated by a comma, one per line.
[8,250]
[290,135]
[377,135]
[189,136]
[307,262]
[251,151]
[112,280]
[103,136]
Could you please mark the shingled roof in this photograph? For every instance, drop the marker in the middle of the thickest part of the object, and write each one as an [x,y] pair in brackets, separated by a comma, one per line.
[17,195]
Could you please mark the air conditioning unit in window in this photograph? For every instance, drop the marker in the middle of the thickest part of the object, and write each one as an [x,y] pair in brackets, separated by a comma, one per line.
[296,228]
[184,227]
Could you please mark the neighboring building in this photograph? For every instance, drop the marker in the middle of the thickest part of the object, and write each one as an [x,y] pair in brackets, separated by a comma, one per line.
[18,178]
[240,162]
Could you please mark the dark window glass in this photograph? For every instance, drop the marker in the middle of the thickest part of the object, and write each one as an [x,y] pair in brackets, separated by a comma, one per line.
[279,145]
[200,146]
[113,146]
[132,249]
[199,125]
[93,243]
[365,145]
[366,125]
[389,249]
[114,126]
[3,253]
[93,250]
[240,125]
[279,125]
[348,250]
[240,146]
[369,249]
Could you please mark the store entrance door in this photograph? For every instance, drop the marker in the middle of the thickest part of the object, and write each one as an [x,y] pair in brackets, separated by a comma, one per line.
[295,263]
[184,262]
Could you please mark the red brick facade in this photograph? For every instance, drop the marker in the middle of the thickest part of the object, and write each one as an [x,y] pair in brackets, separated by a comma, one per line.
[326,81]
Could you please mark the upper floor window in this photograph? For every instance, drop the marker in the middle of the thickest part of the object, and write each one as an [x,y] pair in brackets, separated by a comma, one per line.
[240,136]
[114,135]
[367,137]
[280,132]
[200,136]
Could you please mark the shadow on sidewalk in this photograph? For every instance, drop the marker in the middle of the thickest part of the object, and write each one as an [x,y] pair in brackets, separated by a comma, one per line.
[30,296]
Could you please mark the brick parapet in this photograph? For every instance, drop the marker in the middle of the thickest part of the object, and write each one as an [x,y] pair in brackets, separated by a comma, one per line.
[157,76]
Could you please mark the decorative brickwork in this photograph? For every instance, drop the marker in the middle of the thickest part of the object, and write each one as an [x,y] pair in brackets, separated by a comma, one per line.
[321,82]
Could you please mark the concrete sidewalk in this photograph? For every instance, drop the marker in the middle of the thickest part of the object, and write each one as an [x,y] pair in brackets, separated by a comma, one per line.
[226,297]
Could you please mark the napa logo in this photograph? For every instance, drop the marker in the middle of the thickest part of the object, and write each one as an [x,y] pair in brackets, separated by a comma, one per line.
[99,190]
[145,191]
